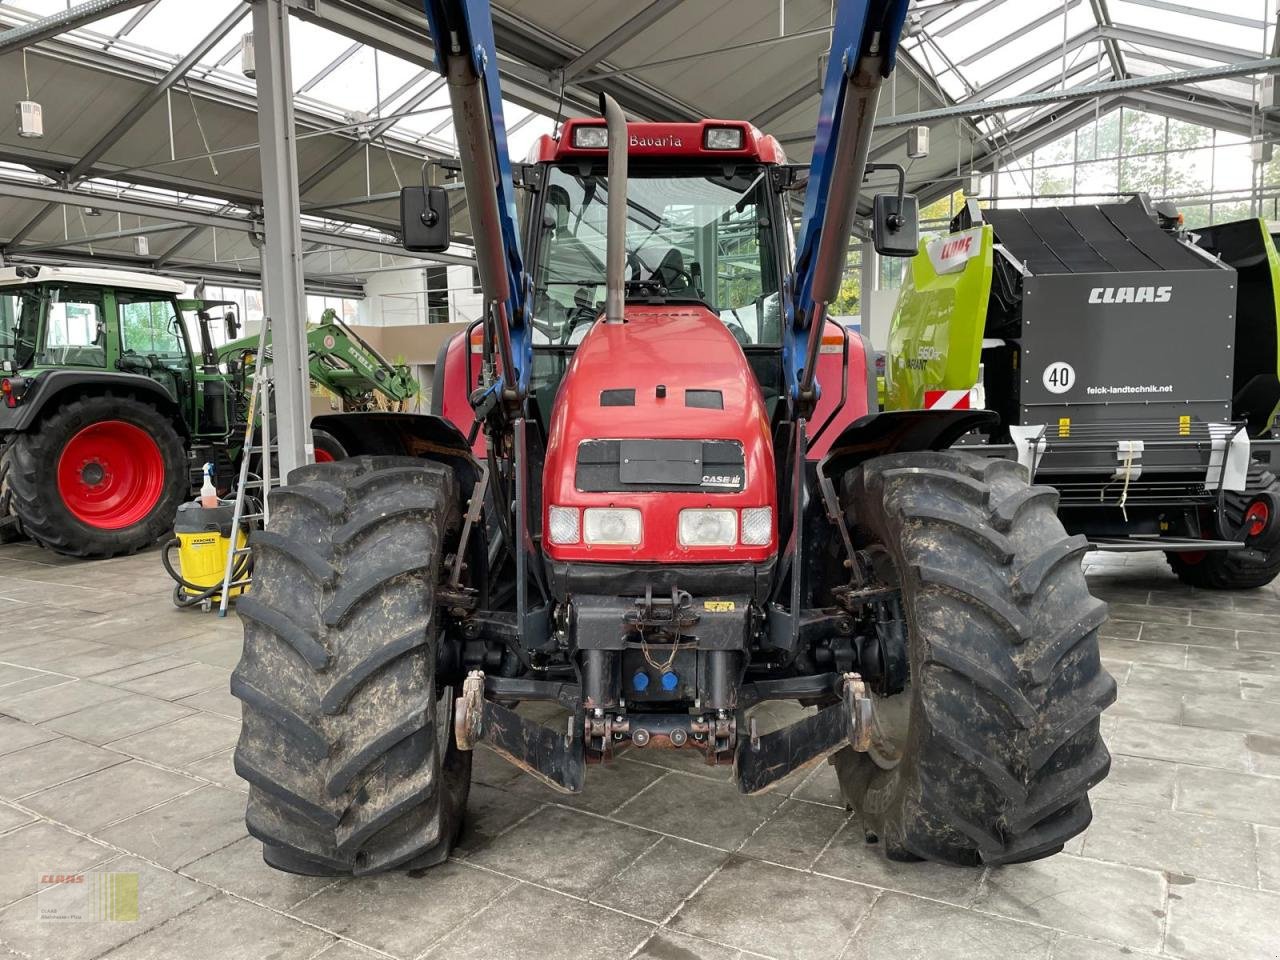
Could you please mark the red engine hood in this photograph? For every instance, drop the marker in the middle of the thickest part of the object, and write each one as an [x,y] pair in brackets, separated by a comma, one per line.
[680,348]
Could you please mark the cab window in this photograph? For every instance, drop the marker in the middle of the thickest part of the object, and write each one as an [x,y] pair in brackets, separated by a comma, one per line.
[151,328]
[74,331]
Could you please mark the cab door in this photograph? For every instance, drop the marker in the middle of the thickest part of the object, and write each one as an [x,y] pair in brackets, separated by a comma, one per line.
[153,342]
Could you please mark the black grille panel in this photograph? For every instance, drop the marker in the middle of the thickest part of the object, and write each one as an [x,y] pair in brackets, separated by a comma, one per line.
[657,466]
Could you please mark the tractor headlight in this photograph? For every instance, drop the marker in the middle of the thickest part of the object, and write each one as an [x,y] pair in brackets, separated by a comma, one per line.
[611,526]
[708,528]
[563,524]
[757,526]
[723,138]
[591,138]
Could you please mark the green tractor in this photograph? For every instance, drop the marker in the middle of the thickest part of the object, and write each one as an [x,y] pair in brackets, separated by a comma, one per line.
[109,412]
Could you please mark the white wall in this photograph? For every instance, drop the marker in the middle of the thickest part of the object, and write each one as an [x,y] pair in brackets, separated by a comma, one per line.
[399,297]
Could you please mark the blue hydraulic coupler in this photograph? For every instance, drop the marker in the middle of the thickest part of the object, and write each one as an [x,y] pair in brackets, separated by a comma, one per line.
[670,681]
[640,681]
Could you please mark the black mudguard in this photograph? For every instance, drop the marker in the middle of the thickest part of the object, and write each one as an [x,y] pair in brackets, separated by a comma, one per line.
[49,386]
[901,431]
[403,434]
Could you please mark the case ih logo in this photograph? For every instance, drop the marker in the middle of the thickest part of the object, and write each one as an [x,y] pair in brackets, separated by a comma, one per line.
[659,142]
[1131,294]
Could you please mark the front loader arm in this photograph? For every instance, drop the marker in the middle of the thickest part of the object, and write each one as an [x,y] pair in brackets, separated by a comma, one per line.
[864,46]
[467,57]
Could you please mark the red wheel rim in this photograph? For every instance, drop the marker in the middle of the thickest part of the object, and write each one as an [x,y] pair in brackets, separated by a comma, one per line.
[1257,517]
[111,475]
[323,456]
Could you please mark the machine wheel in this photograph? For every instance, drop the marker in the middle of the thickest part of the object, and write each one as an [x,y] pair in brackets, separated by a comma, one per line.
[328,449]
[99,477]
[1256,512]
[346,739]
[10,525]
[989,753]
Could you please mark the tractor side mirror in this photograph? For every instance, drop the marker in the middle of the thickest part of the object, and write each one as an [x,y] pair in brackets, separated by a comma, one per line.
[232,324]
[424,219]
[895,225]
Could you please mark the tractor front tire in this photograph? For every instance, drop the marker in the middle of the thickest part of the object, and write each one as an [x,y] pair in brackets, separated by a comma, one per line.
[347,735]
[999,742]
[327,447]
[99,477]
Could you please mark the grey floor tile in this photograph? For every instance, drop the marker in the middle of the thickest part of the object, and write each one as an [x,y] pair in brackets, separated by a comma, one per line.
[1260,686]
[143,668]
[346,950]
[669,945]
[57,701]
[1120,629]
[1231,713]
[821,786]
[45,764]
[850,857]
[11,673]
[182,830]
[216,700]
[403,915]
[531,922]
[117,718]
[11,817]
[187,739]
[1195,636]
[653,885]
[1264,754]
[17,735]
[1222,749]
[1197,846]
[683,761]
[228,929]
[93,663]
[43,848]
[1192,599]
[1135,780]
[607,786]
[735,816]
[49,649]
[1140,651]
[1269,857]
[220,768]
[1242,661]
[1143,613]
[1145,703]
[1235,620]
[796,834]
[240,869]
[909,929]
[1255,640]
[161,895]
[221,652]
[754,906]
[490,811]
[34,680]
[180,681]
[1175,680]
[1232,796]
[1078,948]
[1104,901]
[563,849]
[93,801]
[1211,921]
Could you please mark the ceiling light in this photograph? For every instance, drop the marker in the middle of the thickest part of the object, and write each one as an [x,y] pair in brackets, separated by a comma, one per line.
[30,119]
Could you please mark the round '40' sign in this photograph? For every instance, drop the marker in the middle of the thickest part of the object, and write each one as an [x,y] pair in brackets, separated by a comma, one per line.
[1059,377]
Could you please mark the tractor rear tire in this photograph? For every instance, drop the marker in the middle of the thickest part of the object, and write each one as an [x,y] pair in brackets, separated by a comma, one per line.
[327,447]
[1223,570]
[99,477]
[347,735]
[999,743]
[10,525]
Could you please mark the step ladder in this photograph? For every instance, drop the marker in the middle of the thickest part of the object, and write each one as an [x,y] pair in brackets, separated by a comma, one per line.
[260,405]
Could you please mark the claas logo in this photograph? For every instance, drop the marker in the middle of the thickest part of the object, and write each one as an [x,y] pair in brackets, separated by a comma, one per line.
[958,247]
[1131,294]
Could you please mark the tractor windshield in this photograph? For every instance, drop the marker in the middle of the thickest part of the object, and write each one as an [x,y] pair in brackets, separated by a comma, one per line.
[706,236]
[19,324]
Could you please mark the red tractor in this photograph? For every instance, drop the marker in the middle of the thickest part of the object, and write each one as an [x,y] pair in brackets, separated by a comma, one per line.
[656,492]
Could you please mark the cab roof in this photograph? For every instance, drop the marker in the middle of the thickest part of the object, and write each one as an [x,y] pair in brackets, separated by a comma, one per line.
[91,277]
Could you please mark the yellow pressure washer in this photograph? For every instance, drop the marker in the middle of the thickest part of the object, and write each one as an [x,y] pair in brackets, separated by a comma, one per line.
[203,537]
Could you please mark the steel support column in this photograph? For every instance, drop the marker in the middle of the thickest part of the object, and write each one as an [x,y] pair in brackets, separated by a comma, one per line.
[283,298]
[870,276]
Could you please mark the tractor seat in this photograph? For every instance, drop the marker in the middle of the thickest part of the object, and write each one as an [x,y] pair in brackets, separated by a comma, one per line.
[671,272]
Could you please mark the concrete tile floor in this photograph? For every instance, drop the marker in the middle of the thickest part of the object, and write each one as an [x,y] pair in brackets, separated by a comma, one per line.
[116,736]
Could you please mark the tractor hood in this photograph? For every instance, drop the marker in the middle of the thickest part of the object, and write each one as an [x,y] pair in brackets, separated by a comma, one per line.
[659,414]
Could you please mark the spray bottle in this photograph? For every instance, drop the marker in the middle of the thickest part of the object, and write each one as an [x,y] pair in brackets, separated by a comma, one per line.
[208,493]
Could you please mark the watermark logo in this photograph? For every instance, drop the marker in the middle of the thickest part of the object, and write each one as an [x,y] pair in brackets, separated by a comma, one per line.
[95,895]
